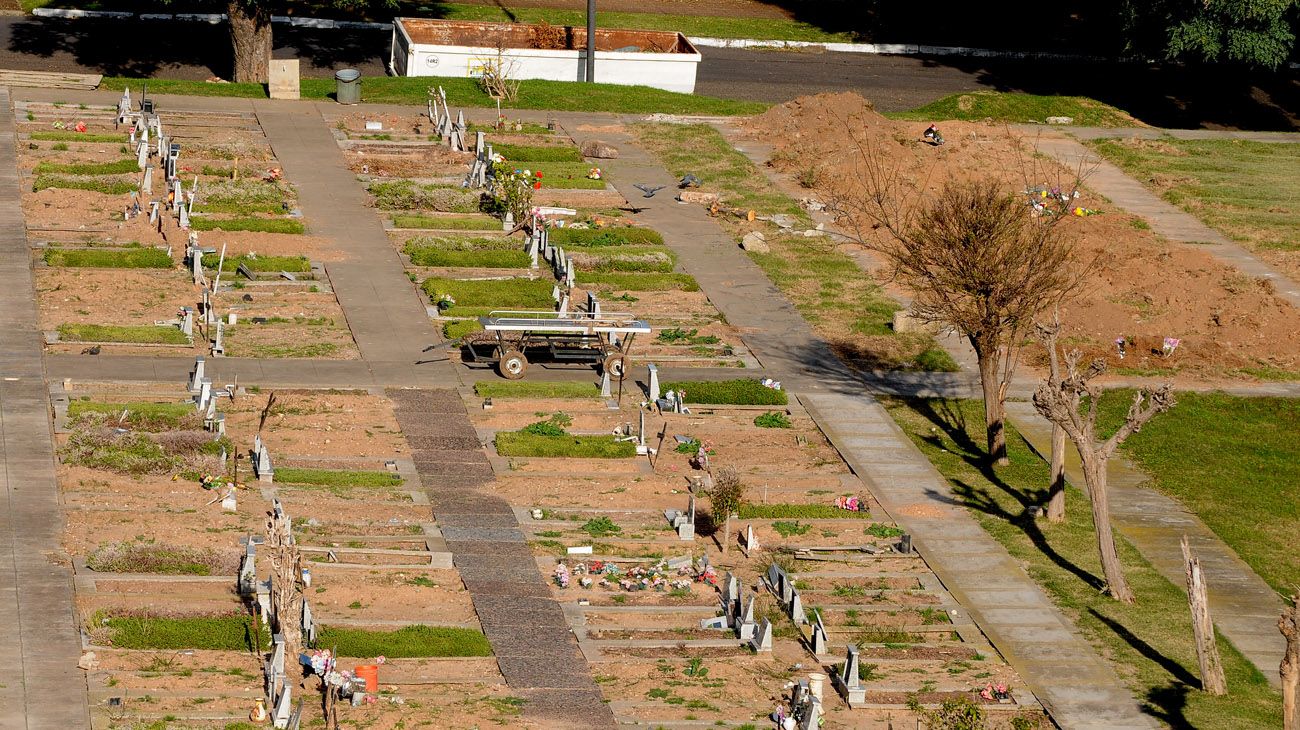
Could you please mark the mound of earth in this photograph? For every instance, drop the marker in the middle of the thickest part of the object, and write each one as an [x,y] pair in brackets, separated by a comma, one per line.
[1138,286]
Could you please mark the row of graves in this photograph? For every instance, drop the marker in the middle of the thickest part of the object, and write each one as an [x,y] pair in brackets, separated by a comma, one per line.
[449,192]
[243,555]
[165,232]
[808,608]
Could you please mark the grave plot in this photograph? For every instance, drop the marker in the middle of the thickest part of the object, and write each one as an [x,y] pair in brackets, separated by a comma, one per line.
[166,574]
[678,631]
[196,191]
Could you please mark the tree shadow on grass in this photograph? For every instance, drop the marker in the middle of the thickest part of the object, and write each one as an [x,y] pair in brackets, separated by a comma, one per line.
[1171,700]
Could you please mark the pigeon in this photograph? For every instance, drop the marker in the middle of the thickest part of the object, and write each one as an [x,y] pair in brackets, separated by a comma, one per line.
[91,350]
[690,181]
[247,297]
[649,191]
[633,209]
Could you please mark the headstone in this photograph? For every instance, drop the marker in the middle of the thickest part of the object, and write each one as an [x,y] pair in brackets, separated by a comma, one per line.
[745,625]
[654,382]
[904,545]
[751,540]
[847,680]
[146,185]
[153,212]
[762,641]
[605,389]
[205,395]
[812,714]
[196,375]
[262,465]
[247,583]
[563,309]
[797,614]
[187,321]
[819,638]
[218,344]
[283,709]
[185,218]
[730,595]
[275,670]
[308,624]
[142,154]
[283,78]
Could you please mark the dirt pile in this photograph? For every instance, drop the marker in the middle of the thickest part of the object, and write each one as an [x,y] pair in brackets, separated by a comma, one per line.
[1138,286]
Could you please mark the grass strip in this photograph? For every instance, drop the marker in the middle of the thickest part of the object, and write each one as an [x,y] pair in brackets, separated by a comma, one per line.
[615,281]
[410,195]
[432,256]
[537,153]
[564,175]
[1151,640]
[408,642]
[447,222]
[119,167]
[1243,485]
[147,334]
[140,415]
[107,187]
[61,136]
[256,225]
[523,294]
[458,328]
[1018,108]
[135,258]
[333,478]
[533,94]
[534,389]
[137,557]
[738,392]
[600,237]
[750,511]
[259,263]
[522,443]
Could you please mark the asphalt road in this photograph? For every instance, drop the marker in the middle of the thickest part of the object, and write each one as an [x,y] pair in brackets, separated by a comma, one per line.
[1167,97]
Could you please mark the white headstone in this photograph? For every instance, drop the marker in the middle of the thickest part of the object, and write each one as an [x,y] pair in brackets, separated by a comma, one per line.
[654,382]
[762,641]
[196,377]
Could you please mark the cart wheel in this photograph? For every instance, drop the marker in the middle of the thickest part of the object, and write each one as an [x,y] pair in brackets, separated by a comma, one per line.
[512,365]
[616,366]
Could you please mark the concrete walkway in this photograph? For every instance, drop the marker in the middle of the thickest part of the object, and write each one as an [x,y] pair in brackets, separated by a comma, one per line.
[1244,607]
[1165,219]
[41,643]
[1076,685]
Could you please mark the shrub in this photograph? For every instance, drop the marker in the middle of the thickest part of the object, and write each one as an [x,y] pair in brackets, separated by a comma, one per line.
[601,237]
[882,530]
[601,527]
[740,392]
[410,195]
[804,511]
[522,443]
[545,428]
[447,222]
[537,153]
[772,419]
[332,478]
[263,264]
[107,187]
[256,225]
[128,334]
[136,258]
[119,167]
[136,557]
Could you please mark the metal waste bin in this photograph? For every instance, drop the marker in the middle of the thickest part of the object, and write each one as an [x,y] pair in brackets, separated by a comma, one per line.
[348,89]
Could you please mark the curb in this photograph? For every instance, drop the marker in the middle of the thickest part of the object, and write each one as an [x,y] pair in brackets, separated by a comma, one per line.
[212,18]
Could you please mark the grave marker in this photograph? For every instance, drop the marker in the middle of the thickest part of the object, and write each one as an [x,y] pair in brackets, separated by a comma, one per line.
[262,463]
[205,395]
[196,375]
[848,682]
[218,346]
[187,321]
[796,608]
[751,540]
[146,185]
[308,624]
[247,581]
[142,154]
[745,625]
[762,641]
[653,386]
[819,637]
[283,78]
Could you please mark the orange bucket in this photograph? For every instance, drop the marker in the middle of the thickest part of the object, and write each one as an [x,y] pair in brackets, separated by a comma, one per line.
[370,673]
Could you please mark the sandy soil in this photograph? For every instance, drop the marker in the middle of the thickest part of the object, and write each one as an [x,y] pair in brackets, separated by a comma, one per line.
[1139,286]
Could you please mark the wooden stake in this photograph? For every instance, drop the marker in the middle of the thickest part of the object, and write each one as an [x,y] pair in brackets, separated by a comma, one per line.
[1207,650]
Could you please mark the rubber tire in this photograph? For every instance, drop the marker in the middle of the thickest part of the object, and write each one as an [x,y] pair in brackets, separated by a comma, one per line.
[616,366]
[512,365]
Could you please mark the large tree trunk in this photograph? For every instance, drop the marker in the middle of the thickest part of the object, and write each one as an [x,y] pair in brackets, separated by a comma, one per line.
[1094,472]
[1289,625]
[1056,491]
[250,36]
[1207,650]
[994,415]
[726,534]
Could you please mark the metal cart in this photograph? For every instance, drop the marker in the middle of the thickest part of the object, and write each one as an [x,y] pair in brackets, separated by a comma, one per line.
[522,337]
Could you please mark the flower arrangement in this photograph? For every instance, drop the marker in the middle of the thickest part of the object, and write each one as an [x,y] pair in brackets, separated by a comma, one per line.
[595,174]
[1170,344]
[1120,344]
[561,575]
[997,692]
[445,302]
[852,504]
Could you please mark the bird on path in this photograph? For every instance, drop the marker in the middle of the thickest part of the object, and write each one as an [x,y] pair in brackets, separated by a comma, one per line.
[91,350]
[649,191]
[690,181]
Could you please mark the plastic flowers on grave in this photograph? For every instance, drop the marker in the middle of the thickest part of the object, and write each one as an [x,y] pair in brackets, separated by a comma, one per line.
[1170,344]
[381,659]
[851,504]
[1120,342]
[445,302]
[595,174]
[561,575]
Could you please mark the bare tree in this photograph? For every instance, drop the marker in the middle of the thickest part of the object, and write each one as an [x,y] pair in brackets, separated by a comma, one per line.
[976,258]
[1207,649]
[726,493]
[286,582]
[1069,399]
[1056,489]
[1289,625]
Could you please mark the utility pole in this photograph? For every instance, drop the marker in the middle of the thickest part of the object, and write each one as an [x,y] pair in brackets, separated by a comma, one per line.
[591,41]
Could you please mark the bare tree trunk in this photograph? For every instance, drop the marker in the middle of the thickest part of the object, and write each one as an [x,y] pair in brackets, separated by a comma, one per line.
[1094,471]
[1207,650]
[726,534]
[1289,625]
[250,37]
[286,587]
[994,412]
[1056,491]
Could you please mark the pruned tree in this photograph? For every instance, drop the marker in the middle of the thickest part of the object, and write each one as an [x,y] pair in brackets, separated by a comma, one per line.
[1198,601]
[499,78]
[726,493]
[1056,487]
[1289,625]
[975,256]
[286,582]
[1069,399]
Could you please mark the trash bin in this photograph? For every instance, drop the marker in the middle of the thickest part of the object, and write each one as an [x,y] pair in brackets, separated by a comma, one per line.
[348,89]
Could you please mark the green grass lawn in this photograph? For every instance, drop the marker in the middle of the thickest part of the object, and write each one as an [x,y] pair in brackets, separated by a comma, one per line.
[410,195]
[842,302]
[91,184]
[1149,641]
[336,478]
[1242,481]
[489,259]
[258,225]
[534,389]
[533,94]
[1248,191]
[447,222]
[65,136]
[616,281]
[147,334]
[119,167]
[643,259]
[564,175]
[474,298]
[604,237]
[739,392]
[264,264]
[537,153]
[140,416]
[523,443]
[1018,108]
[133,258]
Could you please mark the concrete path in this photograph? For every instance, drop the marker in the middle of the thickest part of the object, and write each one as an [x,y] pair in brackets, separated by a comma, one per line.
[41,643]
[1244,607]
[1157,133]
[1076,685]
[1165,219]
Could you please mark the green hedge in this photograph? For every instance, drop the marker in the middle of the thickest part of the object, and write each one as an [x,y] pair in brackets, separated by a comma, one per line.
[147,334]
[741,392]
[264,264]
[119,167]
[523,294]
[534,389]
[257,225]
[333,478]
[596,237]
[619,281]
[801,511]
[537,153]
[522,443]
[135,258]
[94,185]
[447,222]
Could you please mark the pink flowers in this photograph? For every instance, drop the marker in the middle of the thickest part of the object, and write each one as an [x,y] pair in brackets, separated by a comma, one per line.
[1170,344]
[995,692]
[852,504]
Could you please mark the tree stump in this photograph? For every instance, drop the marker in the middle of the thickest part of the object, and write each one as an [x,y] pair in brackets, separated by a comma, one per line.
[1207,650]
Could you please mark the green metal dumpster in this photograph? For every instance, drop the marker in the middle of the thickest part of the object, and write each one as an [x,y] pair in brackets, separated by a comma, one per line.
[348,89]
